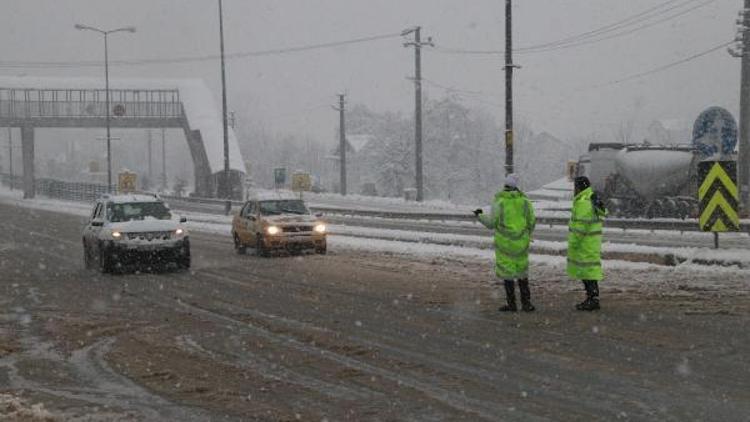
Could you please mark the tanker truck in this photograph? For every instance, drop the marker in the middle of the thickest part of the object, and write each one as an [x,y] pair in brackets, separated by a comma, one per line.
[653,181]
[641,180]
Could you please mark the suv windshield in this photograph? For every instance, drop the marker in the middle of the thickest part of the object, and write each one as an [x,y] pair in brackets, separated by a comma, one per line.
[117,213]
[283,207]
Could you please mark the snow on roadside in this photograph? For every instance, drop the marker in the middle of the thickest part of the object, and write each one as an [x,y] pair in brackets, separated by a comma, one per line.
[15,198]
[344,243]
[740,257]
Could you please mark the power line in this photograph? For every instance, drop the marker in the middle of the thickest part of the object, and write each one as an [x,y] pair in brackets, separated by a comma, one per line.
[667,66]
[598,34]
[466,94]
[193,59]
[453,89]
[618,34]
[623,23]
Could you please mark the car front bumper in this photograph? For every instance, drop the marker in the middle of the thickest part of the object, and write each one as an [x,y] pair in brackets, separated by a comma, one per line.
[311,241]
[127,255]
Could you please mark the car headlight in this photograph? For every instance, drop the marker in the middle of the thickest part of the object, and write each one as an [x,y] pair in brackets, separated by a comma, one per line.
[116,235]
[272,230]
[180,232]
[320,228]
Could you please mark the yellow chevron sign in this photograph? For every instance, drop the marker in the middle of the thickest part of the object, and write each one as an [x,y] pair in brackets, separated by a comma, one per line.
[718,196]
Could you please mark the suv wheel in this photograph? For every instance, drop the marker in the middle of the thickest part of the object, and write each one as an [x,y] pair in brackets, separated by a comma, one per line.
[260,247]
[86,257]
[184,259]
[105,261]
[239,247]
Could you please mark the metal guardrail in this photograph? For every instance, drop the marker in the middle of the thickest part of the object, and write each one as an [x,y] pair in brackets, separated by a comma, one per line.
[71,191]
[688,225]
[58,189]
[16,182]
[74,191]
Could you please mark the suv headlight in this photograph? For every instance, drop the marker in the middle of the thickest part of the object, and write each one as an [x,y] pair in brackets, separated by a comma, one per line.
[116,235]
[272,230]
[180,232]
[320,228]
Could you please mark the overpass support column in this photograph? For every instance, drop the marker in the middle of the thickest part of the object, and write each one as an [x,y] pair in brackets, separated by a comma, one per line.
[27,150]
[204,186]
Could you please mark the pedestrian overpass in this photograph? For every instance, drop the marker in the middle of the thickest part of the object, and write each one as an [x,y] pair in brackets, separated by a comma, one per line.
[31,102]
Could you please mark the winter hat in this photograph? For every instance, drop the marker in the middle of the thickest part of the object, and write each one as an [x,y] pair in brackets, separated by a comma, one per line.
[581,183]
[511,180]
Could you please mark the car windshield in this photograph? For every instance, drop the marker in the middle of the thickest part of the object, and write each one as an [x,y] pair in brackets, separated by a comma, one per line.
[117,213]
[294,206]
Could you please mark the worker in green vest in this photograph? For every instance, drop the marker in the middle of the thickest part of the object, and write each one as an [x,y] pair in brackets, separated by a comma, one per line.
[585,241]
[512,218]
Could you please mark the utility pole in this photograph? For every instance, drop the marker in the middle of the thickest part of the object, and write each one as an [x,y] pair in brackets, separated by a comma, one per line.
[163,159]
[508,87]
[225,190]
[150,139]
[743,160]
[10,155]
[342,143]
[418,44]
[130,29]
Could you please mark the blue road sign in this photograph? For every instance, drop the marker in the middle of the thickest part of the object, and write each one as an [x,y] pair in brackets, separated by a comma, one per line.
[715,133]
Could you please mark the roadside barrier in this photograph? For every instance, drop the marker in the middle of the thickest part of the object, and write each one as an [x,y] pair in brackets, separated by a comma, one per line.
[75,191]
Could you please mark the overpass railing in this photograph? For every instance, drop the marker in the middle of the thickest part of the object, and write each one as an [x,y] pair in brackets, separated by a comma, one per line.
[18,103]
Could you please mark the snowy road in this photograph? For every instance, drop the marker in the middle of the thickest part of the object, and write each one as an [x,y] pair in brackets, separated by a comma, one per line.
[358,336]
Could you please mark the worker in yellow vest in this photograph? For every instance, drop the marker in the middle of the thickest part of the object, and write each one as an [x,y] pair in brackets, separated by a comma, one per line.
[585,241]
[512,218]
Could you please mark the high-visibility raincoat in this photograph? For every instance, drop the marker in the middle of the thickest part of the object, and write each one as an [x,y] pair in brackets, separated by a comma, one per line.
[585,238]
[512,218]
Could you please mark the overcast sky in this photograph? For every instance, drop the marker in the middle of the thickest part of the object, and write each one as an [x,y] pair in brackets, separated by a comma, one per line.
[566,92]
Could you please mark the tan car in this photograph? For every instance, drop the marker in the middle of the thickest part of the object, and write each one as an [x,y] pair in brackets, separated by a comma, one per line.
[274,222]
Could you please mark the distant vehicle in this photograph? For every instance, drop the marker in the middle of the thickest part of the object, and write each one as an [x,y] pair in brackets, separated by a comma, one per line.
[652,181]
[644,180]
[277,221]
[130,230]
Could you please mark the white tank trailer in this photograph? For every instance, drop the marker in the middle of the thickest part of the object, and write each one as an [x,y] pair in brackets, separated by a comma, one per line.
[659,181]
[644,180]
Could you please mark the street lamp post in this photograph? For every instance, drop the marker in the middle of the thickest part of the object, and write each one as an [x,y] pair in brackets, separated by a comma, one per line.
[130,29]
[224,189]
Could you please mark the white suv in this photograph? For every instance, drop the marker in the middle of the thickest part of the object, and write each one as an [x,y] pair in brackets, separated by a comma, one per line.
[125,230]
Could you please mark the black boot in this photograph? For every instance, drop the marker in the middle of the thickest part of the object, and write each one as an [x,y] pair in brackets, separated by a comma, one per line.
[523,286]
[510,296]
[592,296]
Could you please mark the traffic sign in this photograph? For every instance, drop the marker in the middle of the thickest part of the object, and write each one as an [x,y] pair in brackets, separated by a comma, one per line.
[301,182]
[718,196]
[715,132]
[118,110]
[279,177]
[126,182]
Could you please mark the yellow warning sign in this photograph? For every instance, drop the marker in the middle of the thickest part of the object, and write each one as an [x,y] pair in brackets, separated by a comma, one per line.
[718,196]
[126,182]
[301,182]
